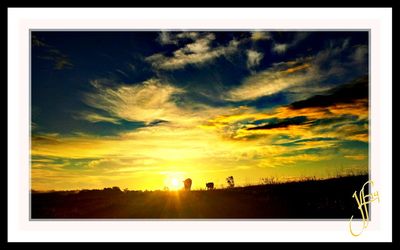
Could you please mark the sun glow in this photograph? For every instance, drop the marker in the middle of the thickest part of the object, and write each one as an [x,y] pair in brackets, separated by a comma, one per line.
[173,182]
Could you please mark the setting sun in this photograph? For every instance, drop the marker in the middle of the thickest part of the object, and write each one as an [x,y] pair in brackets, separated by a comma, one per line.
[173,181]
[174,184]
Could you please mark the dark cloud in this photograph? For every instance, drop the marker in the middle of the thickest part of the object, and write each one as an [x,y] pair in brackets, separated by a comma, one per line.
[60,60]
[302,141]
[332,120]
[300,120]
[36,42]
[347,93]
[355,122]
[270,101]
[353,144]
[283,123]
[157,122]
[45,139]
[110,129]
[313,151]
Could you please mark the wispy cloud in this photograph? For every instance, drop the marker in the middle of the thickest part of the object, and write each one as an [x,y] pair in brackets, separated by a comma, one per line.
[273,80]
[197,52]
[60,61]
[95,117]
[166,37]
[147,101]
[360,54]
[289,137]
[36,42]
[337,113]
[154,102]
[301,75]
[122,73]
[356,157]
[260,35]
[253,58]
[281,48]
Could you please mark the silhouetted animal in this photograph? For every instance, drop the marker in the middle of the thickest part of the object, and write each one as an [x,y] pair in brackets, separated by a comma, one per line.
[187,184]
[210,185]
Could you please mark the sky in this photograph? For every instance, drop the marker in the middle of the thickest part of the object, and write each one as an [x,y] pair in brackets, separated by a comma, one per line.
[144,110]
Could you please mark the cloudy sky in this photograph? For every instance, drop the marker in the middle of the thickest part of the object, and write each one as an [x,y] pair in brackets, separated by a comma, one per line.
[140,109]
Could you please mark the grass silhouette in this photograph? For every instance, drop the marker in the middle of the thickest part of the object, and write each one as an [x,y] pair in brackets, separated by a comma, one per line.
[308,198]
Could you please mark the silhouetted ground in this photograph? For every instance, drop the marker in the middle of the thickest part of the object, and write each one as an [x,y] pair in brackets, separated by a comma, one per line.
[303,200]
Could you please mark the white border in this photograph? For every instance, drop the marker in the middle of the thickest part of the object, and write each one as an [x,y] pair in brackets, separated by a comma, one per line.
[21,20]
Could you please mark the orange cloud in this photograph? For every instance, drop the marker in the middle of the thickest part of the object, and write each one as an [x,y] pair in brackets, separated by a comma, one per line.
[297,68]
[356,157]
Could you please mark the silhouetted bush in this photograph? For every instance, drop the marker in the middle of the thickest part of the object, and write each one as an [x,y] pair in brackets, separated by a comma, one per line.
[230,181]
[210,185]
[113,189]
[269,180]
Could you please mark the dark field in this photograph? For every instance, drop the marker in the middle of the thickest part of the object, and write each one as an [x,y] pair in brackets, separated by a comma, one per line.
[315,199]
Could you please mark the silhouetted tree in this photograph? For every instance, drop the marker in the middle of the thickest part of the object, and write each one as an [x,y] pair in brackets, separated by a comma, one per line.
[187,184]
[230,181]
[210,185]
[113,189]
